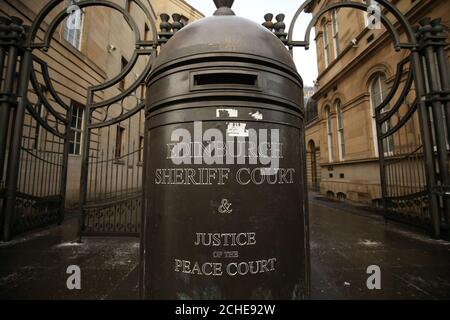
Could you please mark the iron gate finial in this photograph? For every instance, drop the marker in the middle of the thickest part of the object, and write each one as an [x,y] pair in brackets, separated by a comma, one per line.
[224,8]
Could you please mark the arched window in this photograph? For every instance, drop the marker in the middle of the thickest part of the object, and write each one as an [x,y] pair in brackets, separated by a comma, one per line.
[340,129]
[326,43]
[329,133]
[74,28]
[378,92]
[335,20]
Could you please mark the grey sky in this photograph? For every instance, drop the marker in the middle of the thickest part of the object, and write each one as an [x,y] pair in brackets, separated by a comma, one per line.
[256,9]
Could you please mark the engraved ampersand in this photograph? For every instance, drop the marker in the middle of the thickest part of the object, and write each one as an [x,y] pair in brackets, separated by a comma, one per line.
[225,207]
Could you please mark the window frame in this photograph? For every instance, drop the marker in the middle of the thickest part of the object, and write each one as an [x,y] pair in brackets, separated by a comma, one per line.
[146,32]
[340,129]
[75,33]
[329,124]
[123,82]
[119,143]
[388,143]
[335,30]
[141,148]
[77,132]
[326,44]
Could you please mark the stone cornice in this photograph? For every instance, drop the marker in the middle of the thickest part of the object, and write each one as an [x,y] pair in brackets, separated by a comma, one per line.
[188,7]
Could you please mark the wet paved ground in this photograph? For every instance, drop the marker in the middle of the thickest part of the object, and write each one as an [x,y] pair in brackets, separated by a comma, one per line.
[344,241]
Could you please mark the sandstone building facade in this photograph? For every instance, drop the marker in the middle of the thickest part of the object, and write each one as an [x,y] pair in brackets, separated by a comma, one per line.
[357,67]
[80,59]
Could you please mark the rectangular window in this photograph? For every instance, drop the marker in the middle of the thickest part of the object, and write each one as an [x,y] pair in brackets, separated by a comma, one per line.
[73,26]
[337,49]
[378,92]
[141,149]
[340,128]
[330,136]
[120,139]
[123,82]
[76,126]
[388,142]
[326,45]
[146,32]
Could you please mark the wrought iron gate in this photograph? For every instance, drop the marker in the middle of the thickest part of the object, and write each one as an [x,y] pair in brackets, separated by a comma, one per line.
[112,172]
[415,177]
[36,135]
[43,156]
[404,182]
[113,141]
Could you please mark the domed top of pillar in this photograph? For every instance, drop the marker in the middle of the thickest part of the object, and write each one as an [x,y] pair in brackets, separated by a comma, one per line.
[227,37]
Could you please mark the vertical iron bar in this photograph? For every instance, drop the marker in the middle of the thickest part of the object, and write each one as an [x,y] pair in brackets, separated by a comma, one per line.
[84,163]
[408,181]
[411,183]
[65,164]
[42,165]
[118,164]
[91,173]
[427,139]
[47,170]
[132,172]
[60,161]
[129,154]
[14,154]
[96,171]
[142,216]
[395,174]
[384,193]
[107,162]
[2,62]
[444,73]
[50,165]
[23,183]
[6,106]
[22,179]
[444,68]
[54,174]
[438,121]
[113,160]
[127,189]
[35,161]
[113,156]
[101,174]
